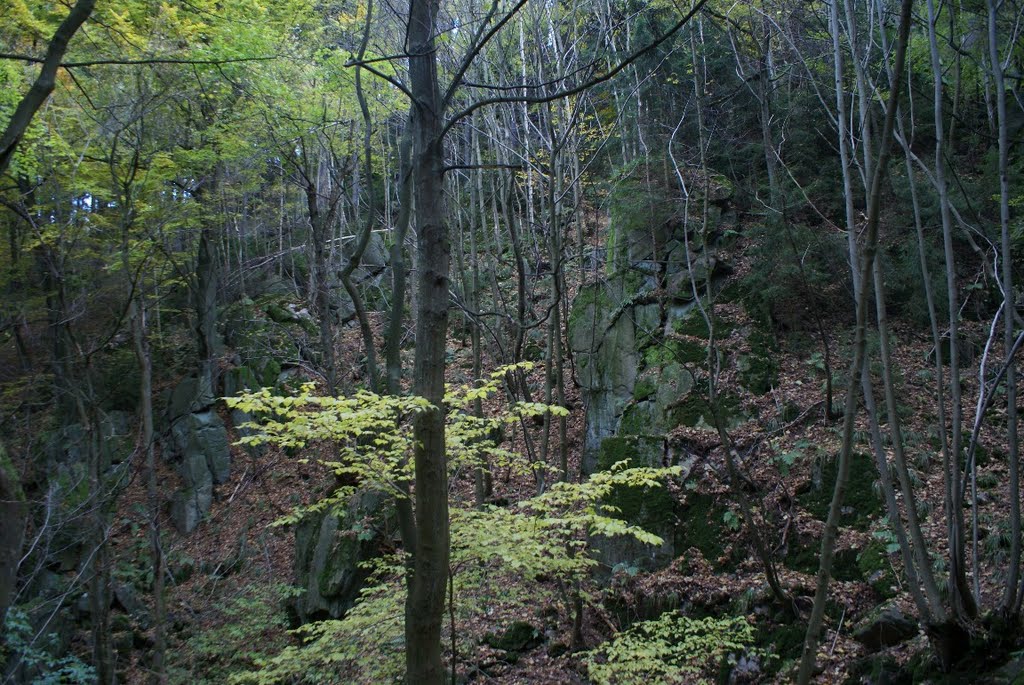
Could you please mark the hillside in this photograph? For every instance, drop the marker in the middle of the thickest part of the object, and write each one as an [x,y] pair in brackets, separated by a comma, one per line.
[515,342]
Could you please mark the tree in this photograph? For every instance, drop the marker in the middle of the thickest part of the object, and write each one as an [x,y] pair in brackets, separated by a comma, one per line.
[44,83]
[865,266]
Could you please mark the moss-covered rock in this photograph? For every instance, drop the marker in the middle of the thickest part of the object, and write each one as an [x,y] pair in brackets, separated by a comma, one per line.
[675,351]
[694,324]
[694,411]
[653,509]
[861,505]
[329,549]
[702,525]
[876,570]
[645,387]
[759,372]
[520,636]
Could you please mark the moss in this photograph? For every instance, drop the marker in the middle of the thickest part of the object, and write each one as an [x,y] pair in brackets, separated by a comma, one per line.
[645,387]
[119,381]
[593,294]
[694,409]
[802,556]
[695,325]
[678,351]
[790,411]
[733,292]
[878,668]
[860,505]
[845,566]
[873,563]
[653,509]
[787,640]
[9,477]
[759,372]
[518,637]
[702,526]
[635,421]
[805,555]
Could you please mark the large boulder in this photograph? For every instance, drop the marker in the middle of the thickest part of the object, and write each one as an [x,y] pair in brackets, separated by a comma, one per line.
[329,550]
[884,627]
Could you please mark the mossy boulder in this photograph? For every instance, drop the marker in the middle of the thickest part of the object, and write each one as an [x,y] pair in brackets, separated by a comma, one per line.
[876,569]
[653,509]
[520,636]
[650,508]
[329,551]
[884,627]
[702,525]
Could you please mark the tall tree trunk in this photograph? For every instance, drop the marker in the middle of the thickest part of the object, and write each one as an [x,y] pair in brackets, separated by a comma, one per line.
[393,345]
[425,602]
[363,239]
[960,592]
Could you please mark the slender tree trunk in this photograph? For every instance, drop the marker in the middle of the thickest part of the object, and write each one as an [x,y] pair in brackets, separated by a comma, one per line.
[140,340]
[363,239]
[1010,605]
[960,592]
[393,347]
[831,532]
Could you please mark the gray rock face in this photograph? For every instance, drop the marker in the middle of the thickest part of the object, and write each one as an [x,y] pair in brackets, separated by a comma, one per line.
[328,550]
[636,344]
[199,442]
[608,360]
[620,327]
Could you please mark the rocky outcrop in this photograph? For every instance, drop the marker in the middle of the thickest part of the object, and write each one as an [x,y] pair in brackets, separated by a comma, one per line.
[198,443]
[639,339]
[635,332]
[329,548]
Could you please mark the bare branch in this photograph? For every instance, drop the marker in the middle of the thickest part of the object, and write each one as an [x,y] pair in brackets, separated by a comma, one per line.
[568,92]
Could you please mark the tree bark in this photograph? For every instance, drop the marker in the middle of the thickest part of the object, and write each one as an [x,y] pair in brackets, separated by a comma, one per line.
[425,602]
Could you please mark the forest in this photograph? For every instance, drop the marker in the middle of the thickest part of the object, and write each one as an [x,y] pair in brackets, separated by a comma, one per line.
[511,341]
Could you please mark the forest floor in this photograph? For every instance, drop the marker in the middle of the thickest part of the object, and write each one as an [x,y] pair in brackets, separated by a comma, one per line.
[225,606]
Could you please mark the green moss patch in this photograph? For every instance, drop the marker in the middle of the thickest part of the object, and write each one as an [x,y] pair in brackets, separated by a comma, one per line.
[694,324]
[860,504]
[874,566]
[702,525]
[694,410]
[653,509]
[675,351]
[759,372]
[645,387]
